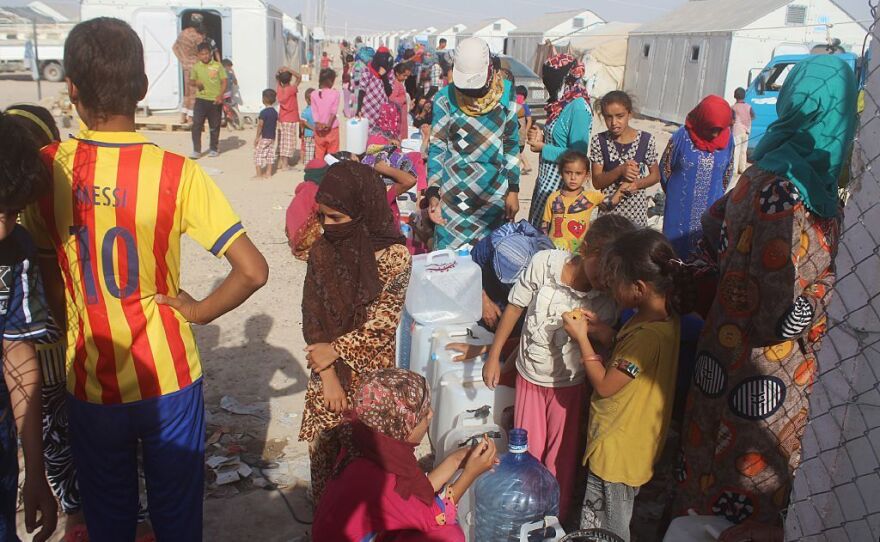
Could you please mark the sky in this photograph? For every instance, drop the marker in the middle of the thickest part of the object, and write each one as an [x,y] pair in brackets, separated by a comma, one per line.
[369,16]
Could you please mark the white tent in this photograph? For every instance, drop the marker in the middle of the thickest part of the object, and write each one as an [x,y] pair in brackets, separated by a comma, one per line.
[603,50]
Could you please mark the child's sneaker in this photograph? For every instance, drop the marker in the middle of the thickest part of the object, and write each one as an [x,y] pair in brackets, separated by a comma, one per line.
[195,155]
[213,154]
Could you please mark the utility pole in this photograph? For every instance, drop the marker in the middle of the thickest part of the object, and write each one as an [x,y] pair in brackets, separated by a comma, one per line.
[35,69]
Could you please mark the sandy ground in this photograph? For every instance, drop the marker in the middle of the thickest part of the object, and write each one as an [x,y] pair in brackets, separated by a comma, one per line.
[254,354]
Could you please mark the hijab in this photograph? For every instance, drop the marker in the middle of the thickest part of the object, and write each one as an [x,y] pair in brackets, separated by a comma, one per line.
[343,277]
[563,77]
[382,59]
[477,102]
[711,114]
[301,225]
[386,408]
[513,246]
[365,54]
[810,141]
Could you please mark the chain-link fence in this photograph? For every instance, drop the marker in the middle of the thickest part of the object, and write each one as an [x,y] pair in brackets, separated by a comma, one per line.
[836,493]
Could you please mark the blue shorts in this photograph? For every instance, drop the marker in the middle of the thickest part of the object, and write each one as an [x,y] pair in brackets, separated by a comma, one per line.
[171,432]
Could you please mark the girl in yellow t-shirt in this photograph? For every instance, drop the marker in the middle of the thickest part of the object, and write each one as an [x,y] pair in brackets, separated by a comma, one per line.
[633,390]
[569,210]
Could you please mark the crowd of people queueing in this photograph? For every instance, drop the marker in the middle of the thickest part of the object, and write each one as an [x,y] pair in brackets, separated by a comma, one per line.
[585,309]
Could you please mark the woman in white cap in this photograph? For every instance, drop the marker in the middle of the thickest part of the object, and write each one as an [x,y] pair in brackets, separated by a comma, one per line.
[473,164]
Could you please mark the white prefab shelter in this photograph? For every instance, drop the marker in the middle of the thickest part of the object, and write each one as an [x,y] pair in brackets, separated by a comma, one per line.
[450,34]
[393,39]
[406,36]
[493,31]
[424,36]
[558,27]
[711,46]
[249,32]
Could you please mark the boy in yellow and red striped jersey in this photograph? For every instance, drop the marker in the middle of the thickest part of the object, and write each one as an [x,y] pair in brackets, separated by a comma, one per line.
[112,223]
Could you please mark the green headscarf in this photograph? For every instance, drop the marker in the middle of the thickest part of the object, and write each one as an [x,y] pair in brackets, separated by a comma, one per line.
[810,141]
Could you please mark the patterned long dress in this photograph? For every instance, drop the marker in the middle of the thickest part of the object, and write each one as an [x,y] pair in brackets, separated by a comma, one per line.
[693,180]
[366,349]
[747,406]
[604,150]
[474,161]
[548,181]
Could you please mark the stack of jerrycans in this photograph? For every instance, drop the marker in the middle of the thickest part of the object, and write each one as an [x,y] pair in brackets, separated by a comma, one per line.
[443,306]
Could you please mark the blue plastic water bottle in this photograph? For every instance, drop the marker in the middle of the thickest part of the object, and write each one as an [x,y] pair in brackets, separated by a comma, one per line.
[519,490]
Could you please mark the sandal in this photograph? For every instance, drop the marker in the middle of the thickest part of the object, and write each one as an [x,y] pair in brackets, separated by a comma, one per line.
[149,537]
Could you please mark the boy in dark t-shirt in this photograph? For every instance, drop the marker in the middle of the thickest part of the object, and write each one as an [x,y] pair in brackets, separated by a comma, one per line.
[264,144]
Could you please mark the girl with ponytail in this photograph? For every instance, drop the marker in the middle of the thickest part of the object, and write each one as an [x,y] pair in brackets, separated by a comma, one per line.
[633,389]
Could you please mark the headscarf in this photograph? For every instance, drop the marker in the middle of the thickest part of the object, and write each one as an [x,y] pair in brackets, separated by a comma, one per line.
[481,101]
[514,245]
[365,54]
[386,408]
[712,113]
[342,277]
[301,223]
[563,75]
[387,123]
[382,59]
[810,141]
[315,171]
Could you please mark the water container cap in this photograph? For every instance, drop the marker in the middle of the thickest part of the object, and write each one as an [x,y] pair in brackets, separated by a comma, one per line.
[404,227]
[434,356]
[464,251]
[518,441]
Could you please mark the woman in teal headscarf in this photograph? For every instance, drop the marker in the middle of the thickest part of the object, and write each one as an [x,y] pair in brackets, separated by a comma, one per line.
[771,243]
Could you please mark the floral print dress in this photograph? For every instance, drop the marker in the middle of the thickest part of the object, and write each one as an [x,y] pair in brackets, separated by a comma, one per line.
[368,348]
[748,403]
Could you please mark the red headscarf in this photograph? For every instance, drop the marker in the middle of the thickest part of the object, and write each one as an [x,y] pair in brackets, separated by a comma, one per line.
[713,113]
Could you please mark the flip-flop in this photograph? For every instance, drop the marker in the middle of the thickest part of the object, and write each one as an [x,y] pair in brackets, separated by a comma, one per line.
[149,537]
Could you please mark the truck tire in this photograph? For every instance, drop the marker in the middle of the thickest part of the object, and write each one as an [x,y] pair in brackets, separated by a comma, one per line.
[53,72]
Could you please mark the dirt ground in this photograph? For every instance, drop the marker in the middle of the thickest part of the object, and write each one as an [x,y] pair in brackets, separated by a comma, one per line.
[254,355]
